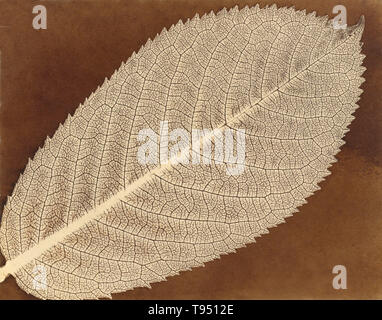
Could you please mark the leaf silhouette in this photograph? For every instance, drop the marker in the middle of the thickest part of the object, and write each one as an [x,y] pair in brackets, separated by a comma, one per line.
[98,222]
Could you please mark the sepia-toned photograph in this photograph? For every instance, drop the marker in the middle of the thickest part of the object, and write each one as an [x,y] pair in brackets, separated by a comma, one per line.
[188,150]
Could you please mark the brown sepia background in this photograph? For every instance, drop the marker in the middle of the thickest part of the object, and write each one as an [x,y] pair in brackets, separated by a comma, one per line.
[45,74]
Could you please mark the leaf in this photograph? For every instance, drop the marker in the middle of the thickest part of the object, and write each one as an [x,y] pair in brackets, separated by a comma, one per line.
[96,221]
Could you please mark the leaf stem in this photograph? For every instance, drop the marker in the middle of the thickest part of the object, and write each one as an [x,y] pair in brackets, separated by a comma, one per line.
[4,272]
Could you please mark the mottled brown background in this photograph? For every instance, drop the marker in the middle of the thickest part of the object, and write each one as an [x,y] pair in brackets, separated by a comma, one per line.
[45,75]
